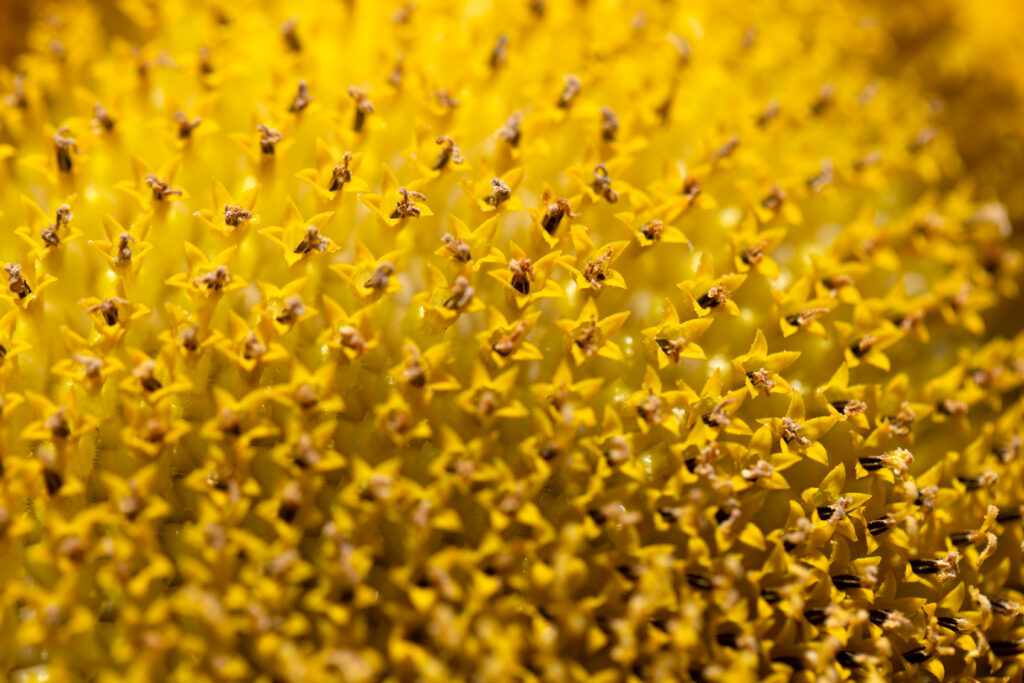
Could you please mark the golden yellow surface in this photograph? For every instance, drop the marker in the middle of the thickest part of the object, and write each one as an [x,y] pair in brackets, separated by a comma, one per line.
[524,341]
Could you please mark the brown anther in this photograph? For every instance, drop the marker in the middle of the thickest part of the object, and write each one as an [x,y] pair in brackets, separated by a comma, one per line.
[806,316]
[653,230]
[302,98]
[57,423]
[553,214]
[771,111]
[522,274]
[144,373]
[617,451]
[499,53]
[509,131]
[462,294]
[124,250]
[406,207]
[754,254]
[719,416]
[398,421]
[609,124]
[863,345]
[306,396]
[235,215]
[726,150]
[602,184]
[445,99]
[823,101]
[292,310]
[506,344]
[413,374]
[214,280]
[762,469]
[570,91]
[341,173]
[253,347]
[664,108]
[683,48]
[289,31]
[791,432]
[716,296]
[312,241]
[154,431]
[395,77]
[923,138]
[649,409]
[588,340]
[870,159]
[486,403]
[691,188]
[449,152]
[109,309]
[456,247]
[131,504]
[91,366]
[837,282]
[17,99]
[364,107]
[379,277]
[185,127]
[101,119]
[189,338]
[50,236]
[229,422]
[903,419]
[205,65]
[594,270]
[763,379]
[867,93]
[403,14]
[161,188]
[823,178]
[15,281]
[268,138]
[774,199]
[673,348]
[538,8]
[64,145]
[305,453]
[952,407]
[350,338]
[500,192]
[853,408]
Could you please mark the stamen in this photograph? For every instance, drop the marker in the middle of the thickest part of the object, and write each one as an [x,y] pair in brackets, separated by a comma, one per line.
[462,295]
[161,188]
[302,98]
[101,118]
[570,92]
[500,51]
[602,184]
[364,107]
[406,207]
[500,192]
[458,249]
[312,241]
[609,124]
[185,127]
[509,132]
[522,274]
[449,152]
[554,213]
[268,138]
[64,146]
[16,282]
[235,215]
[341,174]
[379,278]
